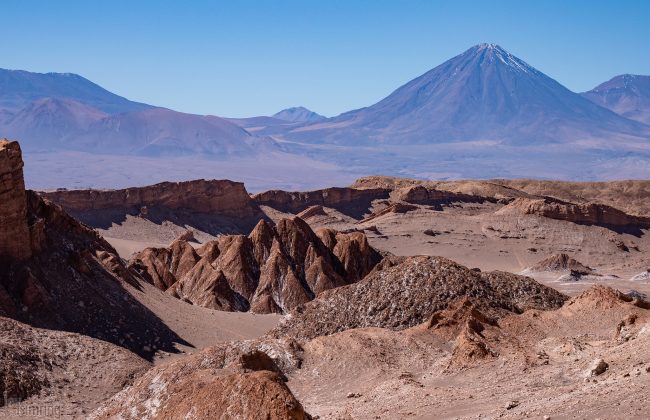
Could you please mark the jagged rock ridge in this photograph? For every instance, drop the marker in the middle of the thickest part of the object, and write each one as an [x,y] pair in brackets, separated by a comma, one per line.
[273,269]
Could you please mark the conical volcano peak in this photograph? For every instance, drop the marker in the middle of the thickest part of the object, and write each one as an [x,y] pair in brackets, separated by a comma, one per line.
[494,54]
[489,46]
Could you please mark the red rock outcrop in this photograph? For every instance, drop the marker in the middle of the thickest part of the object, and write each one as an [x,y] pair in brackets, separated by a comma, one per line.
[353,250]
[311,212]
[589,214]
[15,242]
[218,383]
[274,269]
[163,266]
[350,201]
[222,197]
[57,273]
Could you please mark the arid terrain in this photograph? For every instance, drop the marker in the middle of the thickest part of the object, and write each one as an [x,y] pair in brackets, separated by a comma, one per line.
[391,298]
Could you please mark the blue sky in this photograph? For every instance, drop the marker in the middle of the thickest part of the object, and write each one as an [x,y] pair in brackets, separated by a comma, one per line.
[244,58]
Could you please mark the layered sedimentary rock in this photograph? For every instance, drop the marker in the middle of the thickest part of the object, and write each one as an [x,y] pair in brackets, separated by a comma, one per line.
[420,194]
[395,208]
[57,273]
[222,197]
[14,231]
[589,214]
[351,201]
[274,269]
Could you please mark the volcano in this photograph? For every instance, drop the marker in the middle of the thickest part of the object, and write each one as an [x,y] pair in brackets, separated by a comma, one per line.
[485,94]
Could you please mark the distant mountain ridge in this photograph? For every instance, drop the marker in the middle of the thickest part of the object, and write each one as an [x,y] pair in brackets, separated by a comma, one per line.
[482,114]
[18,88]
[298,114]
[627,95]
[485,94]
[64,111]
[283,120]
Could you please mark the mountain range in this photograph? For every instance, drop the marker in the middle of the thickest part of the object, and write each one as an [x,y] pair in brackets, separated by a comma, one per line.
[483,113]
[63,111]
[627,95]
[485,94]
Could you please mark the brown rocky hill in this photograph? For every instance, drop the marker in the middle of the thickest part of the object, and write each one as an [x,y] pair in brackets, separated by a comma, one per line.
[420,194]
[38,364]
[441,364]
[350,201]
[560,262]
[228,381]
[630,196]
[588,214]
[410,291]
[272,270]
[56,273]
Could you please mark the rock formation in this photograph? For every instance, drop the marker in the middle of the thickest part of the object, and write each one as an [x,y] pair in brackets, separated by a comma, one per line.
[15,240]
[311,212]
[589,214]
[411,291]
[220,382]
[274,269]
[420,194]
[560,262]
[631,196]
[221,197]
[396,208]
[350,201]
[57,273]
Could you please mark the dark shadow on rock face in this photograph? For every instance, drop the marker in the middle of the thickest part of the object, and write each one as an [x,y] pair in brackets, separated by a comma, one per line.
[349,201]
[631,229]
[75,282]
[212,224]
[46,293]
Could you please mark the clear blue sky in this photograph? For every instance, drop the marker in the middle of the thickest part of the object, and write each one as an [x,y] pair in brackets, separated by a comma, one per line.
[244,58]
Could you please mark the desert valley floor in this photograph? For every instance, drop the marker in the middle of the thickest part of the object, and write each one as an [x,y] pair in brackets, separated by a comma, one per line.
[391,298]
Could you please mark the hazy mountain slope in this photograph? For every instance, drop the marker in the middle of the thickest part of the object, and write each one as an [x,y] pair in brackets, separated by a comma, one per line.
[257,122]
[54,112]
[18,88]
[484,94]
[162,131]
[280,122]
[298,114]
[49,123]
[627,95]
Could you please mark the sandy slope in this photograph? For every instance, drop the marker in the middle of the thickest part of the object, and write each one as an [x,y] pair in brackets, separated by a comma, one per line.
[537,367]
[199,326]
